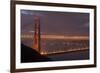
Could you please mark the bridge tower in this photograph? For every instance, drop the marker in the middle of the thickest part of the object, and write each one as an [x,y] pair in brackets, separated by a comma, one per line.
[36,38]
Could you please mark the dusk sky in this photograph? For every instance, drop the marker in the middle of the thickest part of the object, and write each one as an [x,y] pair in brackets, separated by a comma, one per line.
[57,23]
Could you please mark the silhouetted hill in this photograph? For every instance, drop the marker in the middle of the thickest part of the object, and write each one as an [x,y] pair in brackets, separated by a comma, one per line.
[30,55]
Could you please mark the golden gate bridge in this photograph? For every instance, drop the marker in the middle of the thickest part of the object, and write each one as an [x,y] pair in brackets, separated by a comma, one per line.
[53,44]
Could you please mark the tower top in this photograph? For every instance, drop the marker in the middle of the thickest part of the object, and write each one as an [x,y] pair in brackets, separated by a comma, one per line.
[37,18]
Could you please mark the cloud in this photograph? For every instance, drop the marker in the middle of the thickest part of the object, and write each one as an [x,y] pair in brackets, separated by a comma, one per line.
[34,31]
[26,12]
[31,31]
[34,13]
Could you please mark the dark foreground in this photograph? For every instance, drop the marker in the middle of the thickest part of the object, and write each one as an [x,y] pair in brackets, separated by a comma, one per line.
[30,55]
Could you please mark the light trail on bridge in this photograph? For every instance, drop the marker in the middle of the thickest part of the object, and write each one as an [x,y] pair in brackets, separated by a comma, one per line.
[57,37]
[65,51]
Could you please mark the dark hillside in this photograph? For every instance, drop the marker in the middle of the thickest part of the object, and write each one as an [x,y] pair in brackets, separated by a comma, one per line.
[30,55]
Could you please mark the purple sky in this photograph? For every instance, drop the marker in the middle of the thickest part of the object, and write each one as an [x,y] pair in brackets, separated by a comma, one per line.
[60,23]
